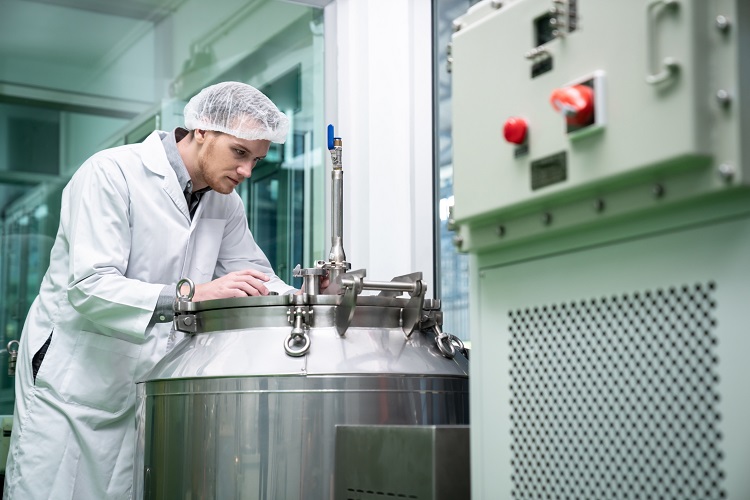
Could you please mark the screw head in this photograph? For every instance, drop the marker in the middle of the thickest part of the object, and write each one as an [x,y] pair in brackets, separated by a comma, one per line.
[723,97]
[496,4]
[726,171]
[599,205]
[723,24]
[546,218]
[658,191]
[500,230]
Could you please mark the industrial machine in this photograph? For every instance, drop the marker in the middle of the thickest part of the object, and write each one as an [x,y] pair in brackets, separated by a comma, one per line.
[246,405]
[601,174]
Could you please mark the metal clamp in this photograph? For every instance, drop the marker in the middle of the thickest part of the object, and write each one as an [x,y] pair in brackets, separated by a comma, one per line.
[187,323]
[311,277]
[12,357]
[444,343]
[297,342]
[459,344]
[297,345]
[191,289]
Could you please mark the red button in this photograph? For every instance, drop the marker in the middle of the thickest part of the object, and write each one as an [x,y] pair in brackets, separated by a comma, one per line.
[515,130]
[576,103]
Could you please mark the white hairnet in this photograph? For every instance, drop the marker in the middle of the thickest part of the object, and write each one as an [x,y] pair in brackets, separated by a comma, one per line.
[237,109]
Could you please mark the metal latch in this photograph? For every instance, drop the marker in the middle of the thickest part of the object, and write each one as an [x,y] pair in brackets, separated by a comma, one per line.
[12,357]
[184,322]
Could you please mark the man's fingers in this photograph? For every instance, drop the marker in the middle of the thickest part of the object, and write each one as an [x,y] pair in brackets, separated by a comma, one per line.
[248,282]
[251,286]
[254,273]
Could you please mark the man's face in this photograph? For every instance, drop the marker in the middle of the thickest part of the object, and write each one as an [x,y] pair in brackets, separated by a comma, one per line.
[224,161]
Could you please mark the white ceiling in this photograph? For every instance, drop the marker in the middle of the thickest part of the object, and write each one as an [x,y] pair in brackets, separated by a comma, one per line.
[62,32]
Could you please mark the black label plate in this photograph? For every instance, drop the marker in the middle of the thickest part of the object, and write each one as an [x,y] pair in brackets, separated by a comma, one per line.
[549,170]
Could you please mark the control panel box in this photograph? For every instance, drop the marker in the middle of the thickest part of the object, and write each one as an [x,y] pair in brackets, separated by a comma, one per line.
[605,104]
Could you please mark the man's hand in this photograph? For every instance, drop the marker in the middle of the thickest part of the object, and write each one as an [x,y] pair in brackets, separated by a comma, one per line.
[236,284]
[324,282]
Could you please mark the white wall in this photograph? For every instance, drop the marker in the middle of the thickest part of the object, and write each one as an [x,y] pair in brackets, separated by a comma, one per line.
[380,78]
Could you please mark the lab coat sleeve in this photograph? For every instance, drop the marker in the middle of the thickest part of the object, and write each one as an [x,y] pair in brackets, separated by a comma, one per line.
[95,218]
[239,250]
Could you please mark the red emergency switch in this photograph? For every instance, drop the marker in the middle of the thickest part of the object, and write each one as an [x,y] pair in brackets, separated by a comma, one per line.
[515,130]
[576,103]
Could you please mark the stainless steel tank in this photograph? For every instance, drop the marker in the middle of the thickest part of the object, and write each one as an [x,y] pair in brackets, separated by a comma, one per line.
[246,405]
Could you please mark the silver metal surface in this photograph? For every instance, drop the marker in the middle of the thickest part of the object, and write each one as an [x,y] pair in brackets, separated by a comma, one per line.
[337,253]
[311,277]
[234,303]
[337,263]
[273,437]
[389,461]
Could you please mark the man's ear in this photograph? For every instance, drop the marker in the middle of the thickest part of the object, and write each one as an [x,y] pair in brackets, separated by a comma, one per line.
[200,135]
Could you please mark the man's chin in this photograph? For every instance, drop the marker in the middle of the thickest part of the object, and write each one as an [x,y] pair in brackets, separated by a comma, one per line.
[223,189]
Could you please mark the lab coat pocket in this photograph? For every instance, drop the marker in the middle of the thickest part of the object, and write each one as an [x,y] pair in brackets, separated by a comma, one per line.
[205,245]
[101,372]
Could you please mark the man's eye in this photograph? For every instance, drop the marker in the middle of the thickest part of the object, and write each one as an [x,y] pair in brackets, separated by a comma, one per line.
[239,152]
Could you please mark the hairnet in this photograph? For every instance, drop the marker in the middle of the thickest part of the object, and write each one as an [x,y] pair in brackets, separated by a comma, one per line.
[237,109]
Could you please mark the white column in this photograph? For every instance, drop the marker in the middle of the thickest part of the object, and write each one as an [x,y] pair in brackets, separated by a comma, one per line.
[380,55]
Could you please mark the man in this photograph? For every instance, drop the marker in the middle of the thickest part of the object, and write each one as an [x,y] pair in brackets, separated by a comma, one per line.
[134,221]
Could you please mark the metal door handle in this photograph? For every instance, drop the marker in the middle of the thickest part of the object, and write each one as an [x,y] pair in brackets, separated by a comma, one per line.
[669,66]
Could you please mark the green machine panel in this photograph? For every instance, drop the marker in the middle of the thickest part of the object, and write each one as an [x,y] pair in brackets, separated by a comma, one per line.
[661,115]
[602,191]
[616,371]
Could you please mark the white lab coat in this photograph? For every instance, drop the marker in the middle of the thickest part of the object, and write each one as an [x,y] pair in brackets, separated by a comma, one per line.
[124,233]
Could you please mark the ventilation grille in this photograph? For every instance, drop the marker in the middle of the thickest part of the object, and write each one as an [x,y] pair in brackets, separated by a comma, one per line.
[617,397]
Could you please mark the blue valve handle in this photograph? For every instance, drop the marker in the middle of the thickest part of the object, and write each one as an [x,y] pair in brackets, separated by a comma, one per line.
[331,137]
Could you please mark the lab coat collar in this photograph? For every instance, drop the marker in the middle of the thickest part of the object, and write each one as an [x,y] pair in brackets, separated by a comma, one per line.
[155,159]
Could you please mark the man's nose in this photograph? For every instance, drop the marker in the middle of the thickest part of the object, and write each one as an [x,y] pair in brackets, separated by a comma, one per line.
[245,169]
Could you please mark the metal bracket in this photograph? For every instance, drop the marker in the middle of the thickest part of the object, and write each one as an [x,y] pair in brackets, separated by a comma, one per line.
[184,322]
[311,278]
[187,323]
[412,313]
[352,284]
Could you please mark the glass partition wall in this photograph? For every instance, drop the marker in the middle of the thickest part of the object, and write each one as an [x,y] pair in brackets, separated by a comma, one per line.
[77,76]
[452,266]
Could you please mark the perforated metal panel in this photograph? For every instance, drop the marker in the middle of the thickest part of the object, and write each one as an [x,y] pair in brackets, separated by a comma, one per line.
[617,397]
